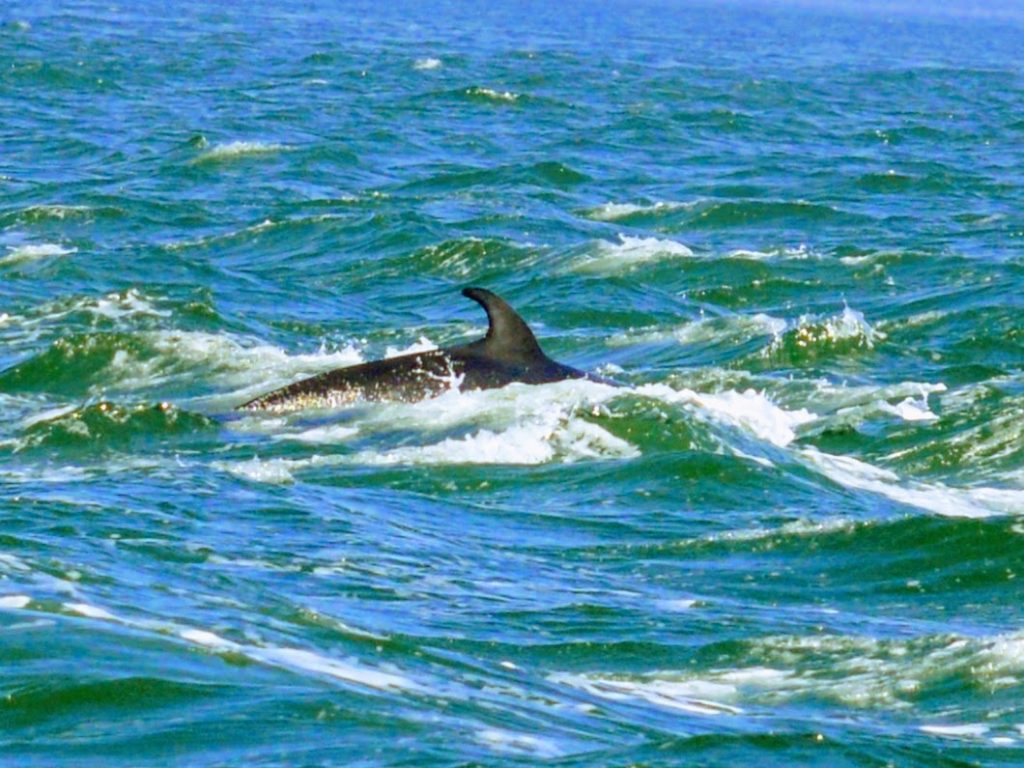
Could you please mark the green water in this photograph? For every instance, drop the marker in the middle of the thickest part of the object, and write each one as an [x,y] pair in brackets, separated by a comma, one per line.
[792,538]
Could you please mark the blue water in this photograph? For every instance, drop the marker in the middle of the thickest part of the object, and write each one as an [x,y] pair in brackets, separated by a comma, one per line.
[793,233]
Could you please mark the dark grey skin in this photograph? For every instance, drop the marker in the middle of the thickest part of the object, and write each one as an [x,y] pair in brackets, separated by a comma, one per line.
[508,353]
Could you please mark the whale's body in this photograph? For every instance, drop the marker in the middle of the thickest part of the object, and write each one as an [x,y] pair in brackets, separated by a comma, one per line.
[508,353]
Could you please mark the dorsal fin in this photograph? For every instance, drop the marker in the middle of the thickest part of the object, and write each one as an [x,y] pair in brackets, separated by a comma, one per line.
[508,337]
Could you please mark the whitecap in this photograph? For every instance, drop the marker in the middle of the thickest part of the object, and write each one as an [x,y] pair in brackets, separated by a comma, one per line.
[115,306]
[90,611]
[615,211]
[423,344]
[55,211]
[25,253]
[275,471]
[517,424]
[232,363]
[537,441]
[426,64]
[940,499]
[706,329]
[849,325]
[331,434]
[679,604]
[492,94]
[699,697]
[912,409]
[966,731]
[512,743]
[11,563]
[235,149]
[302,660]
[794,253]
[629,252]
[750,410]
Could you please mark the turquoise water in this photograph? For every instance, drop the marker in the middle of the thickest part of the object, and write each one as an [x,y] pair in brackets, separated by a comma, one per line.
[793,538]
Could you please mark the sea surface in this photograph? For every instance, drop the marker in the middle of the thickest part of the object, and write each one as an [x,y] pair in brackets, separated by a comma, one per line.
[793,537]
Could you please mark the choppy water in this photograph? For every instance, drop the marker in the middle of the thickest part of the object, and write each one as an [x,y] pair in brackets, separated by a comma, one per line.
[793,539]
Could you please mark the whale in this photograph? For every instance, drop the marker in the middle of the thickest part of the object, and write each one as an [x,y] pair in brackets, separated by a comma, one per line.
[508,353]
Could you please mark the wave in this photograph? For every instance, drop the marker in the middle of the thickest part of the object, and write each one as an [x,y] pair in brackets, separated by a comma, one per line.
[548,173]
[715,215]
[467,258]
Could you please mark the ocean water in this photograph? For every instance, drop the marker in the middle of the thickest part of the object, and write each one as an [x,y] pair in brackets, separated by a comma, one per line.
[795,234]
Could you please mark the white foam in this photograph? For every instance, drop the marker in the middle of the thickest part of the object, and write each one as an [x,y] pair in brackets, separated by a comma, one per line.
[967,731]
[14,601]
[490,93]
[426,64]
[179,353]
[25,253]
[287,658]
[912,409]
[798,253]
[750,410]
[306,661]
[518,743]
[848,325]
[90,611]
[56,211]
[852,670]
[297,658]
[115,306]
[940,499]
[616,211]
[235,149]
[679,604]
[537,441]
[498,408]
[274,471]
[517,424]
[423,344]
[846,397]
[856,261]
[706,329]
[13,563]
[49,474]
[629,252]
[699,697]
[327,435]
[203,637]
